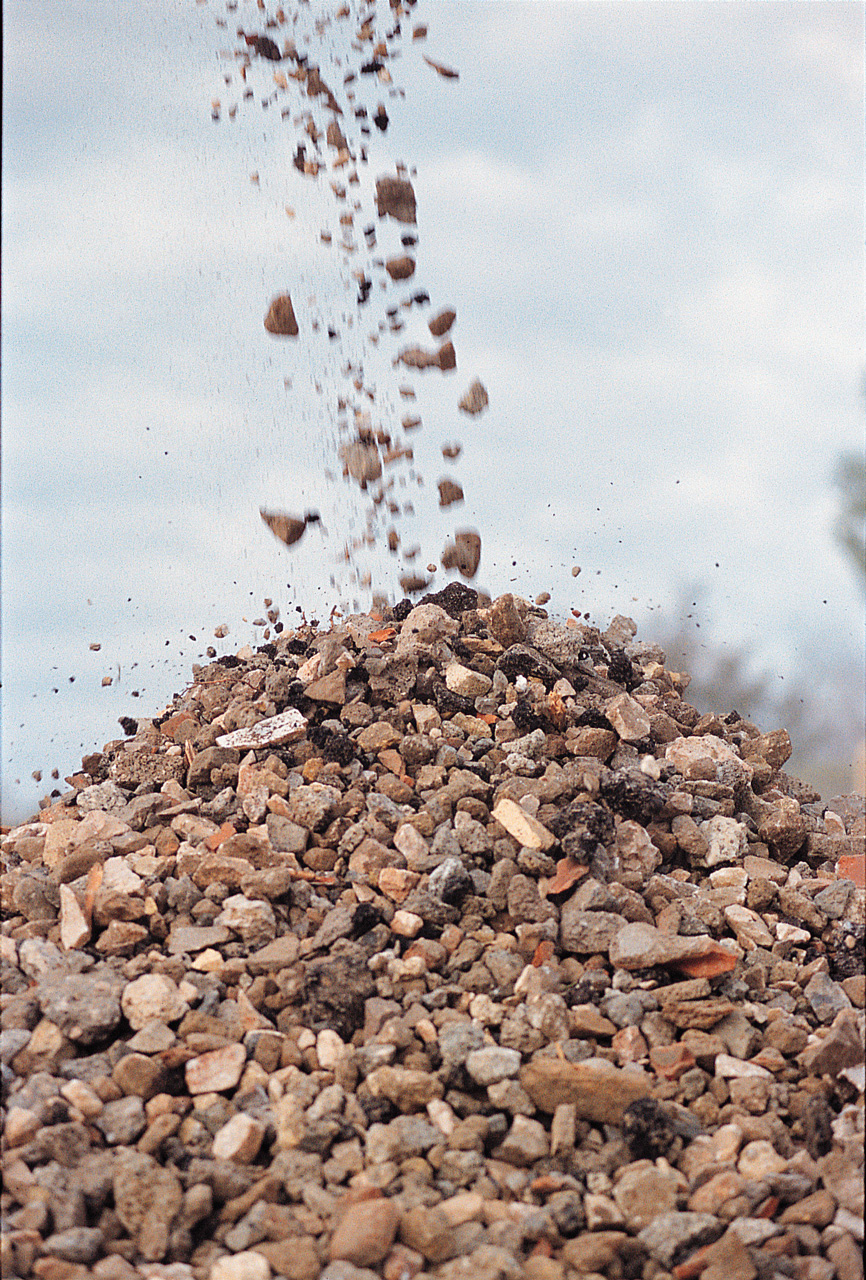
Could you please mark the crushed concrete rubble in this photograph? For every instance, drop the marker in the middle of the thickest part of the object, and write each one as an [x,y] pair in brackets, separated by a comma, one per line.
[452,942]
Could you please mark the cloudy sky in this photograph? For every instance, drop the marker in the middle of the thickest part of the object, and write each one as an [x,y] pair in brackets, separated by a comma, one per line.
[648,217]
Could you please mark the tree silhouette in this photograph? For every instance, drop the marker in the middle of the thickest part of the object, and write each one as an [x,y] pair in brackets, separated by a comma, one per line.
[850,530]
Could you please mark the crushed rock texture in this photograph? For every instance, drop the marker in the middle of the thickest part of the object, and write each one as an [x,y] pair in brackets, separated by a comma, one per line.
[490,957]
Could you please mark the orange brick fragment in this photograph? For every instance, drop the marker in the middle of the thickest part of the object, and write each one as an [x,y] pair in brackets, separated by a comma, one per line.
[216,838]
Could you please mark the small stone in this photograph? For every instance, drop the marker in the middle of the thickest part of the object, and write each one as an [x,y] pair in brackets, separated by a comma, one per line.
[643,1193]
[465,681]
[152,996]
[395,197]
[429,1232]
[599,1091]
[74,926]
[449,493]
[818,1210]
[441,322]
[246,1265]
[400,268]
[464,553]
[215,1071]
[759,1160]
[628,718]
[841,1047]
[749,929]
[280,319]
[826,997]
[671,1235]
[491,1064]
[122,1122]
[525,829]
[76,1244]
[253,920]
[288,726]
[639,946]
[726,840]
[366,1232]
[475,399]
[239,1139]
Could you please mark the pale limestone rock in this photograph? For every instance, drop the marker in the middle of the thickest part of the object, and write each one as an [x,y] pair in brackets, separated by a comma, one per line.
[74,927]
[525,829]
[152,996]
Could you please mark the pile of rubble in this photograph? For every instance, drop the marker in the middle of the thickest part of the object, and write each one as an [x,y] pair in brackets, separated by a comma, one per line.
[446,943]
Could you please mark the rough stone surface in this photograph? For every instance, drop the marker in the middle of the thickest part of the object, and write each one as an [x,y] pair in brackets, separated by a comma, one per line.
[410,982]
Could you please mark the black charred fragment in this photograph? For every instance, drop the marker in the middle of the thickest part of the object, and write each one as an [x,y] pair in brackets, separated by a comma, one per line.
[633,794]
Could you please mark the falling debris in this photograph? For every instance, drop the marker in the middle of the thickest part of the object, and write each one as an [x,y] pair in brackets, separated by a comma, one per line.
[417,358]
[448,72]
[464,553]
[575,570]
[361,461]
[281,317]
[336,138]
[395,196]
[475,399]
[412,583]
[442,322]
[95,646]
[289,529]
[452,450]
[221,631]
[263,46]
[400,268]
[449,493]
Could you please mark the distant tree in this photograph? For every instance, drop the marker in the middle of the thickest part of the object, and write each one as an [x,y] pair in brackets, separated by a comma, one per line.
[821,706]
[850,479]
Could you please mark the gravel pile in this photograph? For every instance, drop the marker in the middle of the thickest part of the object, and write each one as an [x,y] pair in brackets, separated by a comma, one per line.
[448,943]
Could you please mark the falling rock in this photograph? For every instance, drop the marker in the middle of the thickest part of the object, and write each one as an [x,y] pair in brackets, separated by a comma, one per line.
[449,492]
[464,553]
[412,583]
[400,268]
[447,357]
[417,358]
[598,1090]
[281,317]
[442,322]
[475,398]
[362,462]
[395,196]
[447,72]
[289,529]
[335,137]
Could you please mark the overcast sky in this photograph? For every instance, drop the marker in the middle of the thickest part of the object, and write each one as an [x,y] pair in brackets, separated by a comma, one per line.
[648,217]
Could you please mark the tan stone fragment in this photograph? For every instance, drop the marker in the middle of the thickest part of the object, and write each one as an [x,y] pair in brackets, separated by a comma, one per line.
[525,829]
[280,319]
[74,927]
[599,1090]
[365,1233]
